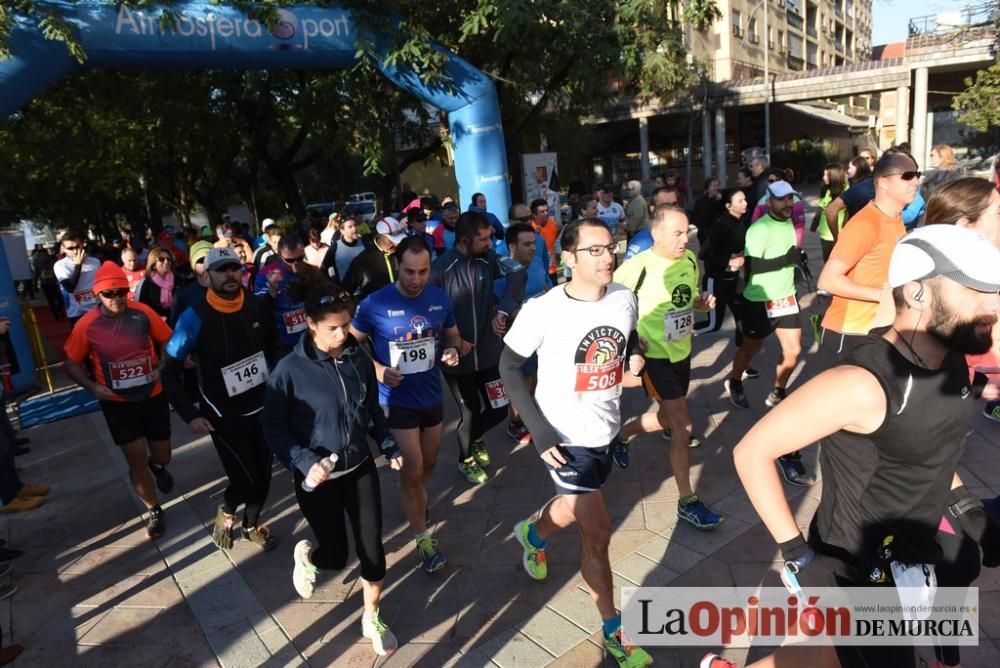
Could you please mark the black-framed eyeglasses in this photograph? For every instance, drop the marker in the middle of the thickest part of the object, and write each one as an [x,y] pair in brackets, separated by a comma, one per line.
[597,251]
[114,294]
[908,175]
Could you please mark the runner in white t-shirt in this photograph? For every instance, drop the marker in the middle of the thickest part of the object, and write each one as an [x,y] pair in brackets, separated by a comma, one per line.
[583,331]
[75,273]
[608,210]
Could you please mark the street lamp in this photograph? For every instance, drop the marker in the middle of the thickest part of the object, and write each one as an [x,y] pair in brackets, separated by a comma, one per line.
[767,77]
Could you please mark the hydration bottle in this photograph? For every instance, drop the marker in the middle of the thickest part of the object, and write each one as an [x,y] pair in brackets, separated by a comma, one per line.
[327,463]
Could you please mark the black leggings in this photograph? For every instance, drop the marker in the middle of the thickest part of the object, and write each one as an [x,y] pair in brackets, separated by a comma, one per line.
[478,416]
[246,459]
[726,291]
[358,494]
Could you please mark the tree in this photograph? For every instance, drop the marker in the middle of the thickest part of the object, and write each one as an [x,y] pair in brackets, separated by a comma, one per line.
[977,104]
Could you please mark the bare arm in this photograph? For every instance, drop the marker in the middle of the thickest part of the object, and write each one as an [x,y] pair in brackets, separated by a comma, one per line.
[834,280]
[800,420]
[78,375]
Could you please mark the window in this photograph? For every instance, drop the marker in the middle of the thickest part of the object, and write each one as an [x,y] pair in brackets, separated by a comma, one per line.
[737,23]
[752,31]
[770,38]
[781,41]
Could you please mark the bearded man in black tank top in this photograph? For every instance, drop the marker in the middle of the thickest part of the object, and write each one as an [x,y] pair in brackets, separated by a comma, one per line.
[891,449]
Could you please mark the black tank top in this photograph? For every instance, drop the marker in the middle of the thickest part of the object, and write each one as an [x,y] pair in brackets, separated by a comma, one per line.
[895,481]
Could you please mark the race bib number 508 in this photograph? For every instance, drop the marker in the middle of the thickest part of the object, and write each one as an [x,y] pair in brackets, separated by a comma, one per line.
[604,378]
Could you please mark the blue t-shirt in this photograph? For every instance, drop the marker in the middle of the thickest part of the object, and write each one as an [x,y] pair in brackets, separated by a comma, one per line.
[406,334]
[643,240]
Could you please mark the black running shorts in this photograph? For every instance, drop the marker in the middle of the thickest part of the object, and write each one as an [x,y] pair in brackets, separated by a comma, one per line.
[132,420]
[664,380]
[415,418]
[756,324]
[585,469]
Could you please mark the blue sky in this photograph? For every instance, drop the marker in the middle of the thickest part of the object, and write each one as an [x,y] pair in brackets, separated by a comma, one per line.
[891,17]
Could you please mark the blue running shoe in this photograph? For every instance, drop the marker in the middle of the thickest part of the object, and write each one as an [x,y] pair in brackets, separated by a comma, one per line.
[431,558]
[697,514]
[620,452]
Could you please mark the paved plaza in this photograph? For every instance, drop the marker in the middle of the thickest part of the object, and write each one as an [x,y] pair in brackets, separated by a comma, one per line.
[94,591]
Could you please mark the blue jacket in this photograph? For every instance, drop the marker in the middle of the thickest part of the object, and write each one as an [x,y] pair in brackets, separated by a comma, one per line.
[289,316]
[498,228]
[316,405]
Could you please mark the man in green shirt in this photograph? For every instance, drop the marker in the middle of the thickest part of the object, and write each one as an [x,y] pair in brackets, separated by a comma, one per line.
[665,282]
[769,304]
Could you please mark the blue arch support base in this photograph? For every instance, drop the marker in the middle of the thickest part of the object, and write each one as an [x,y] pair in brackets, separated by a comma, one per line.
[212,36]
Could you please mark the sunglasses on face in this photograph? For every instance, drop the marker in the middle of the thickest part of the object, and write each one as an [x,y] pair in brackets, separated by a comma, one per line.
[114,294]
[73,248]
[907,176]
[598,251]
[164,258]
[293,260]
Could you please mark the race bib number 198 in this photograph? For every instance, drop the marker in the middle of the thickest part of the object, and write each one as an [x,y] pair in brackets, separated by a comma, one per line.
[413,356]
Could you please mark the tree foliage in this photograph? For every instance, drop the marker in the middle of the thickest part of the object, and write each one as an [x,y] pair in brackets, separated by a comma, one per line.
[200,140]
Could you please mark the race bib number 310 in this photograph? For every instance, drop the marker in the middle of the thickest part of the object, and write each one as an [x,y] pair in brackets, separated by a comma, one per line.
[245,375]
[497,393]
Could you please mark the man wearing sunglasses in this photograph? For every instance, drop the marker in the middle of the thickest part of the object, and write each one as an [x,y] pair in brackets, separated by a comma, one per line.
[858,269]
[121,339]
[233,340]
[272,282]
[75,273]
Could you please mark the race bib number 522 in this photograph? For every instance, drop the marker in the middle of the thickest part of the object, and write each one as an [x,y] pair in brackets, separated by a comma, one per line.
[130,373]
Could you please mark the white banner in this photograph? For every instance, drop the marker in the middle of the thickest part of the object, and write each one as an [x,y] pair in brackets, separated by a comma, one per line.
[741,616]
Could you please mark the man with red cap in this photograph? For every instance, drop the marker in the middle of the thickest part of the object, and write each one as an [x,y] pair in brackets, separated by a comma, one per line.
[121,339]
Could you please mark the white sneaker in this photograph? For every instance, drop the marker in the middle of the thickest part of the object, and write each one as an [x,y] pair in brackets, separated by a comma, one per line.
[304,573]
[383,640]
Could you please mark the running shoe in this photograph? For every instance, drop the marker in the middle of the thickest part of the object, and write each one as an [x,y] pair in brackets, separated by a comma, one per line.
[620,452]
[33,490]
[794,471]
[750,373]
[304,574]
[518,432]
[479,453]
[472,471]
[735,389]
[383,640]
[698,515]
[534,559]
[222,531]
[776,397]
[711,660]
[261,537]
[992,413]
[164,481]
[627,656]
[695,441]
[156,525]
[431,558]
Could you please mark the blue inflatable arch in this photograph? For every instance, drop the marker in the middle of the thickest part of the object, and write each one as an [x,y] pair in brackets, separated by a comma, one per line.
[211,36]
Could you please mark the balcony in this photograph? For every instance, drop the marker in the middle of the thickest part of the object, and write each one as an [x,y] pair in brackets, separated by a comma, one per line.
[754,38]
[794,20]
[795,63]
[737,31]
[770,44]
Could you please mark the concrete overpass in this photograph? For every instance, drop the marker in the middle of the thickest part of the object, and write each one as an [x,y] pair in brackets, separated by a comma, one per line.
[960,51]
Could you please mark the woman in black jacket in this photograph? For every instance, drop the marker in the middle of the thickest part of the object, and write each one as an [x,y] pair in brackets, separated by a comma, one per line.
[322,400]
[723,258]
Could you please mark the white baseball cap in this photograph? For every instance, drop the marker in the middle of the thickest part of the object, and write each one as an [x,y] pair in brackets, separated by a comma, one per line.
[780,189]
[392,228]
[946,250]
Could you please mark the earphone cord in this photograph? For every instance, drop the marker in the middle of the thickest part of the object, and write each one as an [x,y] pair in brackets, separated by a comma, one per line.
[909,344]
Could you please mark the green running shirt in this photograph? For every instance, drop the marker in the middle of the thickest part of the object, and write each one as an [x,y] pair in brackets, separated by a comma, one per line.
[666,299]
[767,239]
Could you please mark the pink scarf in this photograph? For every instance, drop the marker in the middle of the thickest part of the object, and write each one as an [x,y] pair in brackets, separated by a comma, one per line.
[166,284]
